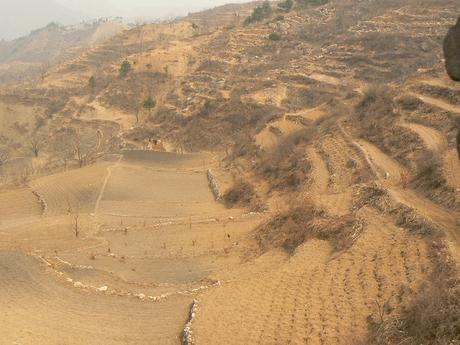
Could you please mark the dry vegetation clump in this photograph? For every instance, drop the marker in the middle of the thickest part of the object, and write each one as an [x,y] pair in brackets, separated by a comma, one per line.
[444,93]
[403,216]
[229,124]
[430,180]
[287,167]
[242,194]
[291,229]
[409,103]
[287,230]
[419,112]
[376,121]
[432,316]
[299,98]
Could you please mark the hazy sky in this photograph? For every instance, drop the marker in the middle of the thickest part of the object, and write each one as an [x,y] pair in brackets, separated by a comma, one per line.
[19,17]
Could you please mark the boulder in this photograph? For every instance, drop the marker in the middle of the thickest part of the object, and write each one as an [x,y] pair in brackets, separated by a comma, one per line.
[452,51]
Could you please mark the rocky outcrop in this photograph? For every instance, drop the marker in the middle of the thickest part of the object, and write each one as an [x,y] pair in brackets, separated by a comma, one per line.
[213,185]
[452,51]
[187,334]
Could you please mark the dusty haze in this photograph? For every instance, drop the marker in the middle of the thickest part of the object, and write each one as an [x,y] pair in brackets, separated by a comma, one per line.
[20,17]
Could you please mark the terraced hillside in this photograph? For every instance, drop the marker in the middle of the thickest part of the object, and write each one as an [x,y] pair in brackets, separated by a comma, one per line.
[233,186]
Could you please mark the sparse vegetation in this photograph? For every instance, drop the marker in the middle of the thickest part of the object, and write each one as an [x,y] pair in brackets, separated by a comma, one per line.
[327,195]
[431,317]
[290,229]
[274,36]
[259,13]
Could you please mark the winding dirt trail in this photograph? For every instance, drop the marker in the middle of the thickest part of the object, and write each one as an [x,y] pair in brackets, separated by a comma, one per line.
[446,219]
[437,103]
[432,138]
[384,166]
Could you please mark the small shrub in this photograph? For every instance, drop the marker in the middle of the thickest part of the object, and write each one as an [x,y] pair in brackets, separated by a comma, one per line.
[208,107]
[92,82]
[274,36]
[241,193]
[150,103]
[286,5]
[125,68]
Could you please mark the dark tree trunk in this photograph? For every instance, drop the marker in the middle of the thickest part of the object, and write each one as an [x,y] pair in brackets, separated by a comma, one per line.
[452,51]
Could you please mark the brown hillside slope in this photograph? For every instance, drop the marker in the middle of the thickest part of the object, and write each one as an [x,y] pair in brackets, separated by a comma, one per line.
[332,143]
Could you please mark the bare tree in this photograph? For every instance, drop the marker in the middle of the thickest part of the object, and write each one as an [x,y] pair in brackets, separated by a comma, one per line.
[4,156]
[44,67]
[35,146]
[85,154]
[74,212]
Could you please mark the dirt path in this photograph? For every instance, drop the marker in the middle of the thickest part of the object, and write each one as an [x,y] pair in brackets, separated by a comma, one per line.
[325,79]
[433,139]
[104,184]
[384,166]
[451,166]
[437,103]
[447,219]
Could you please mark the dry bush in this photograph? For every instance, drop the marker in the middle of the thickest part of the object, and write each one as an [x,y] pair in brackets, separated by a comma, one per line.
[430,180]
[444,93]
[289,230]
[409,103]
[376,121]
[376,103]
[378,198]
[241,193]
[231,123]
[432,315]
[287,167]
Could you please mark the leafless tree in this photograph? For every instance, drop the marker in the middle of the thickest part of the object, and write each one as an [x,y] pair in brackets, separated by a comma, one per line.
[4,156]
[85,154]
[35,145]
[44,67]
[74,212]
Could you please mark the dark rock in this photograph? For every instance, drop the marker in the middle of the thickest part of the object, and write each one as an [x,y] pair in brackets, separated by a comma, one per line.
[452,51]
